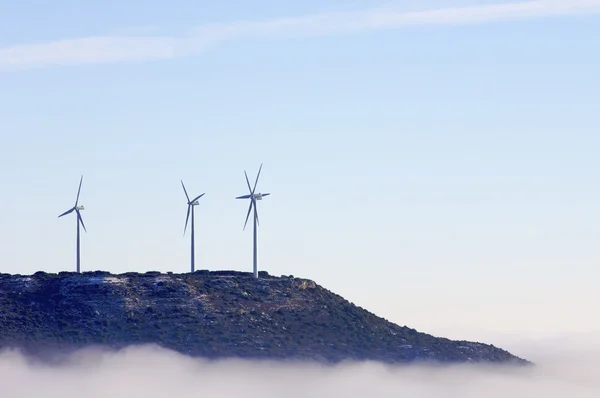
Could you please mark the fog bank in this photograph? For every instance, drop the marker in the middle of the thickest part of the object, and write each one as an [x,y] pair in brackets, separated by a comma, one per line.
[564,367]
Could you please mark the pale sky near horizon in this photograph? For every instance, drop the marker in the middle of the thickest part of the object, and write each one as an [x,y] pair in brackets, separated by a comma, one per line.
[433,162]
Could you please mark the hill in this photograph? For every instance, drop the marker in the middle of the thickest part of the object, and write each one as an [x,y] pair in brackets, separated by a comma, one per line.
[213,315]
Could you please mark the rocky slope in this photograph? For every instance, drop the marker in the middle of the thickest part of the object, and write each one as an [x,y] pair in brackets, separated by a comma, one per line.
[213,315]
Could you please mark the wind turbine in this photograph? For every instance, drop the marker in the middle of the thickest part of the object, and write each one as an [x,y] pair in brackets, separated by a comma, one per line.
[191,204]
[77,210]
[253,198]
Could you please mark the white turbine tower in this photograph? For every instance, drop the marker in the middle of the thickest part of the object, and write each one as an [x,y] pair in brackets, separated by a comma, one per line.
[191,204]
[77,210]
[253,198]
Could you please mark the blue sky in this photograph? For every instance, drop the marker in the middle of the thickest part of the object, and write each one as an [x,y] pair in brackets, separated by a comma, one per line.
[434,162]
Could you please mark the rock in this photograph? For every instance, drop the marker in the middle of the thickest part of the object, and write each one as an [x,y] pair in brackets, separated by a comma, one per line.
[214,315]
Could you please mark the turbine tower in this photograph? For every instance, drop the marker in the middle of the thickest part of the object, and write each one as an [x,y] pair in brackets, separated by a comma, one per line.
[253,198]
[191,204]
[77,210]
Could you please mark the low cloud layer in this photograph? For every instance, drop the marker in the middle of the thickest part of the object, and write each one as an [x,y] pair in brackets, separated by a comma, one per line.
[124,48]
[565,368]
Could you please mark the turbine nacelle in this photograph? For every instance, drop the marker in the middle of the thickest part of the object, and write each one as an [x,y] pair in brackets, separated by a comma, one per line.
[80,208]
[259,196]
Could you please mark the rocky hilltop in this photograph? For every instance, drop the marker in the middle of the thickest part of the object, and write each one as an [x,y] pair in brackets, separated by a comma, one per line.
[212,315]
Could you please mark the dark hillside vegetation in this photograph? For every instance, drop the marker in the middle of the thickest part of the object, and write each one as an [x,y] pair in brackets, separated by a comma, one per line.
[213,315]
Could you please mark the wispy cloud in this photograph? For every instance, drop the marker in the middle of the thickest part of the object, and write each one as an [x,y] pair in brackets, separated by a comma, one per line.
[119,48]
[566,369]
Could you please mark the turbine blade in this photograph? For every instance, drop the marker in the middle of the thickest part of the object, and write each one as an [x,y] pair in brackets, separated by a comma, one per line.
[67,212]
[265,194]
[258,175]
[197,197]
[248,215]
[244,197]
[78,191]
[184,190]
[187,218]
[256,214]
[80,220]
[248,182]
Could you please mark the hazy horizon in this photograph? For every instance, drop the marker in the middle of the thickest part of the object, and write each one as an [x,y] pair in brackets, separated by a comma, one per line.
[562,370]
